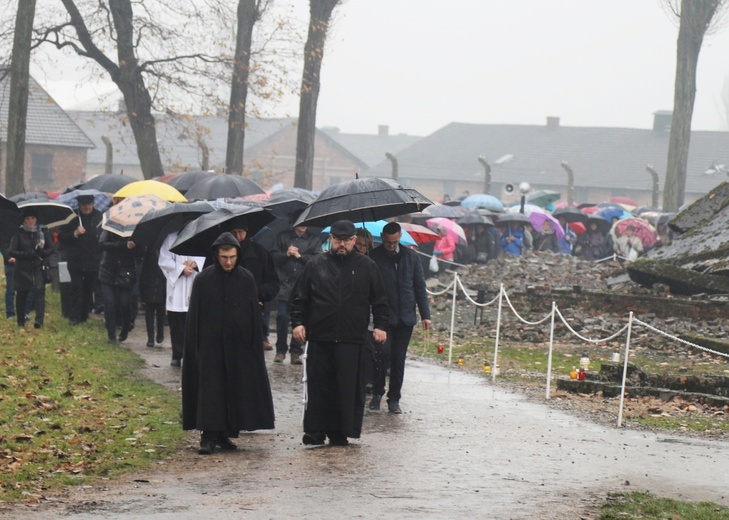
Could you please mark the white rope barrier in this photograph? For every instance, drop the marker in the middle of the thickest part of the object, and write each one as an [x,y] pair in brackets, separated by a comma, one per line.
[583,338]
[438,293]
[468,297]
[676,338]
[519,316]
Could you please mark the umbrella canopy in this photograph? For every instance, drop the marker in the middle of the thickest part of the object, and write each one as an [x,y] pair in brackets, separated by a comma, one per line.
[159,223]
[542,198]
[451,227]
[420,234]
[220,186]
[610,212]
[362,200]
[50,212]
[102,201]
[151,187]
[513,218]
[198,236]
[182,182]
[283,203]
[537,219]
[122,218]
[602,225]
[108,182]
[474,218]
[625,202]
[482,200]
[375,229]
[570,214]
[643,230]
[441,210]
[577,227]
[10,220]
[30,195]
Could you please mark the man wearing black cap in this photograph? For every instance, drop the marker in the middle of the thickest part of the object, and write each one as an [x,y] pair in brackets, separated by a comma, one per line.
[80,238]
[330,308]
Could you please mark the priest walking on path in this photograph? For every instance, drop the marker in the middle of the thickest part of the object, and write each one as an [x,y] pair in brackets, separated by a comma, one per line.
[225,387]
[330,308]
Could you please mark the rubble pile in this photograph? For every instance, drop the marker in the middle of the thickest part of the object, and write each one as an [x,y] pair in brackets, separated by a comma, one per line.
[543,278]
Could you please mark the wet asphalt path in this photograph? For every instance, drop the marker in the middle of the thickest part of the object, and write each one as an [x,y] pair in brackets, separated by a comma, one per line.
[463,448]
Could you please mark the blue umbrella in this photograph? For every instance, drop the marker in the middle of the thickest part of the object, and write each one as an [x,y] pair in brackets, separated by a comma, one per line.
[482,200]
[375,229]
[611,212]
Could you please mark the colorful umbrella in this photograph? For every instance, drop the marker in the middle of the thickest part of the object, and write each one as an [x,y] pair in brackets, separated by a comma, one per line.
[643,230]
[375,229]
[420,234]
[538,218]
[450,226]
[151,187]
[123,218]
[610,212]
[482,200]
[102,201]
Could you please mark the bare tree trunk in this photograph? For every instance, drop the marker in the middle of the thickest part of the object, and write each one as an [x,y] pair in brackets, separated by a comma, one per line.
[321,12]
[248,14]
[128,77]
[694,22]
[18,102]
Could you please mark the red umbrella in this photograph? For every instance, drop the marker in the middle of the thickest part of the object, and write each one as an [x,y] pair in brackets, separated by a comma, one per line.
[420,234]
[577,227]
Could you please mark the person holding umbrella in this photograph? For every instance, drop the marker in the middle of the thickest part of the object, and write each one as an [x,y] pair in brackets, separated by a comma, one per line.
[330,308]
[80,239]
[30,246]
[402,273]
[117,274]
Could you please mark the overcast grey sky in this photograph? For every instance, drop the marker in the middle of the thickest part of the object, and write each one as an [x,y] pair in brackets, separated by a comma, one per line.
[417,65]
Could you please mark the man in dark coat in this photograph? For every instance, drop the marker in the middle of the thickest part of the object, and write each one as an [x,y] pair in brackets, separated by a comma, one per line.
[80,239]
[225,387]
[402,273]
[331,305]
[291,251]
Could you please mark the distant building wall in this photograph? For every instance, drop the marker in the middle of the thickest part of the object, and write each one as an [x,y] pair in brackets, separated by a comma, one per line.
[49,168]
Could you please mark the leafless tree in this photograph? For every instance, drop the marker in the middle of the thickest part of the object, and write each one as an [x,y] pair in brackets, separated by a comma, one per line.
[18,101]
[320,15]
[696,18]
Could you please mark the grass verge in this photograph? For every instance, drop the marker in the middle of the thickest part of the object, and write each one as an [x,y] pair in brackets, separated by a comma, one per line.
[73,408]
[646,506]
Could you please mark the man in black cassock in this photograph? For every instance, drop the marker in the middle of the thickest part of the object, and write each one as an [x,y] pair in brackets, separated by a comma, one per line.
[225,387]
[330,307]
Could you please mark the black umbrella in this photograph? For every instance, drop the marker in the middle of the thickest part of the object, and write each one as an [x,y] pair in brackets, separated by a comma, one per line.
[108,182]
[603,226]
[221,186]
[441,210]
[158,223]
[50,212]
[474,218]
[30,195]
[286,201]
[513,218]
[198,236]
[362,200]
[570,214]
[184,181]
[10,220]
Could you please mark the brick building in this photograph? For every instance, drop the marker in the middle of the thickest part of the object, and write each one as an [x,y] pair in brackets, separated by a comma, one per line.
[55,146]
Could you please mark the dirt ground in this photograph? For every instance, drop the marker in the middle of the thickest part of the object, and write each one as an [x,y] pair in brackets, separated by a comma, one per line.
[462,448]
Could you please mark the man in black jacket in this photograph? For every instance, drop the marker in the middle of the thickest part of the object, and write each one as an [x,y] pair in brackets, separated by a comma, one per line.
[80,239]
[330,307]
[291,251]
[402,273]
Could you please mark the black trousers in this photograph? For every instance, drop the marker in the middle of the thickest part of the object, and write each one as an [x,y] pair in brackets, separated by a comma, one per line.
[39,303]
[177,332]
[392,354]
[154,314]
[82,293]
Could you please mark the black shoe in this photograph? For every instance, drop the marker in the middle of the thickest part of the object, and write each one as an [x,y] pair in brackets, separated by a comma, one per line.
[123,335]
[224,443]
[206,447]
[175,363]
[393,407]
[160,339]
[337,439]
[150,343]
[375,403]
[313,438]
[111,340]
[37,325]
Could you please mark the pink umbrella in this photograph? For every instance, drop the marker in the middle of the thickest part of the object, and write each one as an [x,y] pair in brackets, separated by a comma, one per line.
[643,230]
[449,226]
